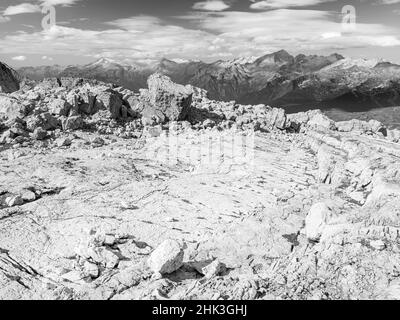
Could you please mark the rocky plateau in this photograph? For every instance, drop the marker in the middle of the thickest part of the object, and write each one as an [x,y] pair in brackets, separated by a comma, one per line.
[164,193]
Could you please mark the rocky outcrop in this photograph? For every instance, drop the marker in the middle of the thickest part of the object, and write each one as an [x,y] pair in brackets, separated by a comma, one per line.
[9,81]
[166,100]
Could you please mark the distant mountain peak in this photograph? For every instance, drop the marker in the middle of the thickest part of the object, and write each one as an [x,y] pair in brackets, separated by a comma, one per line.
[279,57]
[347,63]
[104,62]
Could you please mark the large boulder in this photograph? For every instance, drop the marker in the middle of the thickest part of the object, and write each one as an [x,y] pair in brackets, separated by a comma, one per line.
[82,102]
[356,125]
[59,107]
[8,106]
[72,123]
[87,103]
[313,119]
[43,120]
[167,99]
[167,258]
[276,119]
[319,120]
[394,135]
[111,101]
[316,221]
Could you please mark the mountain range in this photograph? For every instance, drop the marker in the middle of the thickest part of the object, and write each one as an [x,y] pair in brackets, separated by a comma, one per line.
[296,83]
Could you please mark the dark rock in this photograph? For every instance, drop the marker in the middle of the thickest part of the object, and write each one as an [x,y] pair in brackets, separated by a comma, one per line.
[39,134]
[111,101]
[72,123]
[44,120]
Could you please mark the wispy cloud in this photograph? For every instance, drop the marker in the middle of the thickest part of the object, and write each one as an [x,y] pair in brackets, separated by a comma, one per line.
[211,5]
[19,58]
[64,3]
[388,1]
[21,8]
[211,35]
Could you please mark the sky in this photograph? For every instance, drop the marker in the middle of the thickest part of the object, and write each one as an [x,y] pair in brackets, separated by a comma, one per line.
[68,32]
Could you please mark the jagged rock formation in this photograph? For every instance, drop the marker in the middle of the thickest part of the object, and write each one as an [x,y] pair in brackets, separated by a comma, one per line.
[232,201]
[9,79]
[164,101]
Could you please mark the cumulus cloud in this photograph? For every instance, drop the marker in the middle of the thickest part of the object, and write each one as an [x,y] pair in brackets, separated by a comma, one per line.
[21,8]
[211,5]
[58,2]
[47,58]
[19,58]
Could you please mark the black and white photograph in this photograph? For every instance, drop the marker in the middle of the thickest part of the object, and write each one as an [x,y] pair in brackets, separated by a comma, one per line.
[229,151]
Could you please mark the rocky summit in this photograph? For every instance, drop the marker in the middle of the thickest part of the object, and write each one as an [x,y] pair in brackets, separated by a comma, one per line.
[108,193]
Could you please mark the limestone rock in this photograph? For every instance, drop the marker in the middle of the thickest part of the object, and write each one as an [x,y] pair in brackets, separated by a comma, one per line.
[378,245]
[316,221]
[63,142]
[59,107]
[321,121]
[73,123]
[13,201]
[167,257]
[112,102]
[91,269]
[44,120]
[215,268]
[28,196]
[98,141]
[168,99]
[39,134]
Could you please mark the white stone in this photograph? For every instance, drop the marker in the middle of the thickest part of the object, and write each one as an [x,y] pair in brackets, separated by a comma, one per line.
[63,142]
[167,258]
[213,269]
[14,201]
[316,221]
[28,195]
[73,276]
[91,269]
[378,245]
